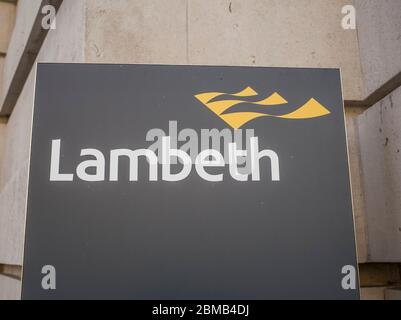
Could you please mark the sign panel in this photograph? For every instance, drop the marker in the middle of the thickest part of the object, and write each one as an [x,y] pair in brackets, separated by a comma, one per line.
[188,182]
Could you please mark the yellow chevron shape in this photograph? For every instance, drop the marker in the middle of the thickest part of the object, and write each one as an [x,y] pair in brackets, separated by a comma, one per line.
[219,107]
[238,119]
[273,100]
[311,109]
[207,96]
[247,92]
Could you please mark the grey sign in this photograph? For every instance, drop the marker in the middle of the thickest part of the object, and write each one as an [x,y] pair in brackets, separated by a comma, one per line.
[268,217]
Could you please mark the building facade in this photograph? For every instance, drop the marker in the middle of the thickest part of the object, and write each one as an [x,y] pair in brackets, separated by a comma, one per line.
[270,33]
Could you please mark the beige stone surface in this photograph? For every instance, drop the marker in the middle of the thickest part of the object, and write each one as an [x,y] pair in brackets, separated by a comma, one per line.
[356,181]
[379,34]
[7,19]
[25,17]
[373,293]
[136,31]
[393,294]
[10,288]
[13,183]
[2,59]
[12,218]
[3,130]
[65,44]
[380,143]
[18,134]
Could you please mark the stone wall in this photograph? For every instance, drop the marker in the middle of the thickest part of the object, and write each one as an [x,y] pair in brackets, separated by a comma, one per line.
[379,34]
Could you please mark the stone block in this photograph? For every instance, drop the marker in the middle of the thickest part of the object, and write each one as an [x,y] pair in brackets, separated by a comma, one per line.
[12,218]
[393,294]
[354,155]
[10,288]
[137,31]
[380,143]
[7,18]
[379,34]
[372,293]
[25,17]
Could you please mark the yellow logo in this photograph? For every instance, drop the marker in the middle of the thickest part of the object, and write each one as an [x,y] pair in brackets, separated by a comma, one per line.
[311,109]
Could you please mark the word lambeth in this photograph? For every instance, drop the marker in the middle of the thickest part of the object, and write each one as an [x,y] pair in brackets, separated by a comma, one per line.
[176,164]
